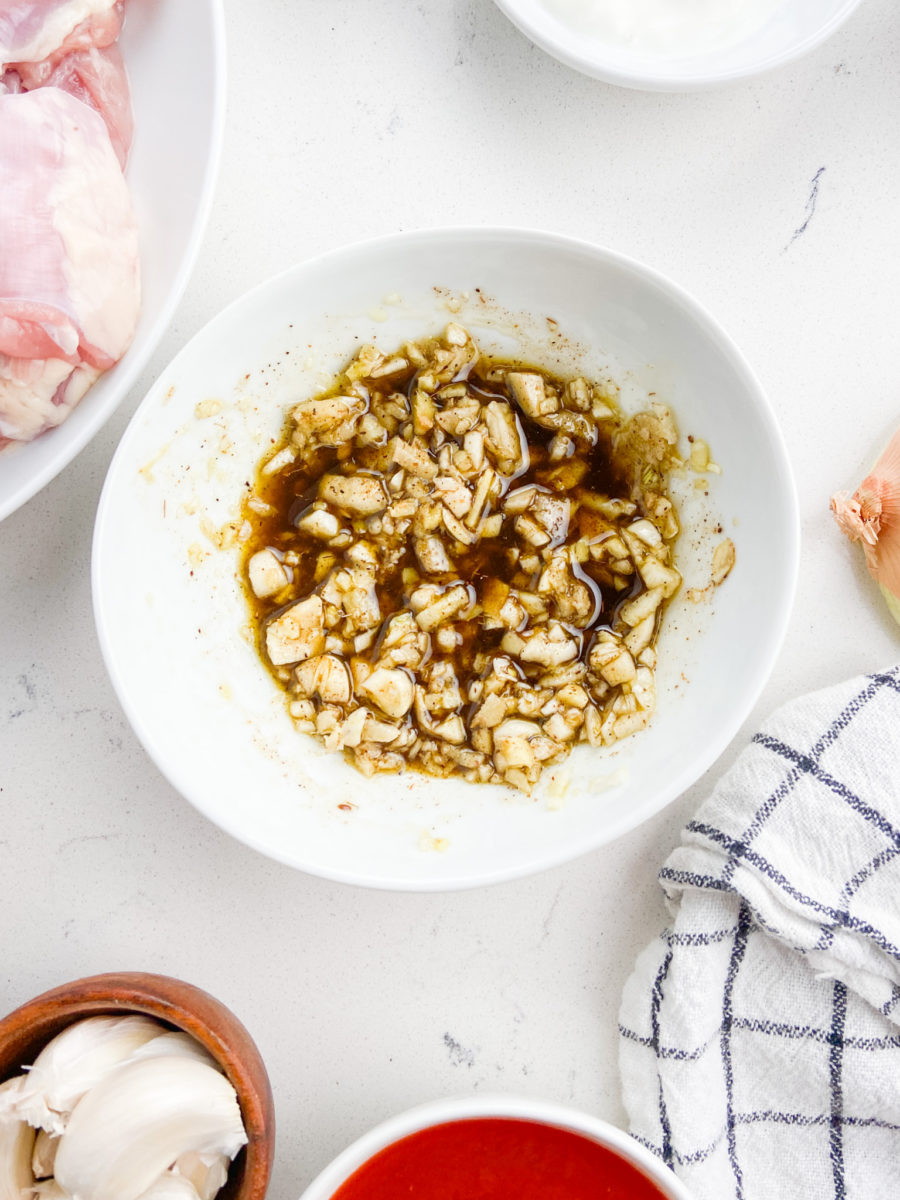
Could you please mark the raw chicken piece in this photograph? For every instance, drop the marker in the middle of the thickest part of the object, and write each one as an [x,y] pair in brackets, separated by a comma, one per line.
[44,31]
[98,78]
[69,44]
[69,288]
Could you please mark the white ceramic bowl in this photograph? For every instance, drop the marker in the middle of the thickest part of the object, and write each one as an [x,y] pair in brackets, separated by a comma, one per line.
[794,29]
[175,55]
[170,611]
[469,1108]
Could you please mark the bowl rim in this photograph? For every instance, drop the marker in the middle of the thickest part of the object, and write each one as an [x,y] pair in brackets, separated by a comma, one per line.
[567,50]
[190,1009]
[133,364]
[499,1106]
[681,777]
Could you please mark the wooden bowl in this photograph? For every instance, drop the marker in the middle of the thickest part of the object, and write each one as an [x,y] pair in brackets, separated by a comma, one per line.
[182,1006]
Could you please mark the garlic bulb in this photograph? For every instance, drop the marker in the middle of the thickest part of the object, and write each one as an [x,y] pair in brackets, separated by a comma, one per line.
[872,516]
[16,1146]
[125,1109]
[129,1129]
[72,1063]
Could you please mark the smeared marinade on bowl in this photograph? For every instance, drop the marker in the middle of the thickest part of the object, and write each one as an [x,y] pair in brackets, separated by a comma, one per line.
[460,564]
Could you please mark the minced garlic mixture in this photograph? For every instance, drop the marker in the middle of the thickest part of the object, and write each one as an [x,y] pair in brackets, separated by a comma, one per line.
[459,564]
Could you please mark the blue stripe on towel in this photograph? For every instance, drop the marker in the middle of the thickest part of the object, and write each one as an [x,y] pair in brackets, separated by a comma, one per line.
[835,1070]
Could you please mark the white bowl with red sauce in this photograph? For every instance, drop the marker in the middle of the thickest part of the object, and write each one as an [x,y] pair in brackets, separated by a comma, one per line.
[494,1147]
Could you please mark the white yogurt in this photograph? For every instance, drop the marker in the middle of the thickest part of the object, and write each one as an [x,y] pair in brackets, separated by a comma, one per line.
[666,28]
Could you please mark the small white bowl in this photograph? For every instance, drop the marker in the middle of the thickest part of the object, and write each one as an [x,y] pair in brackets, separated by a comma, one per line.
[172,173]
[172,617]
[468,1108]
[796,28]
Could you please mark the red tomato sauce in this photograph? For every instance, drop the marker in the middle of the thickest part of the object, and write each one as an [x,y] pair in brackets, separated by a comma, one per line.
[496,1159]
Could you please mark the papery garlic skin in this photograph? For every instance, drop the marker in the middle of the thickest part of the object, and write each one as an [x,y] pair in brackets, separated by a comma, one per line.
[75,1061]
[871,515]
[16,1148]
[125,1132]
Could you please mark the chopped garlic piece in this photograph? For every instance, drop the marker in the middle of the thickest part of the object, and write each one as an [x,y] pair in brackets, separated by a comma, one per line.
[460,598]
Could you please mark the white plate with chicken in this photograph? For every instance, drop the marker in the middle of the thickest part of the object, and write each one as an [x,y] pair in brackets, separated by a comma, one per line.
[296,577]
[111,122]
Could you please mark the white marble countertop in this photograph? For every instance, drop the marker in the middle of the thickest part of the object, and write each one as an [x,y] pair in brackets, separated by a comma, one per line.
[366,1003]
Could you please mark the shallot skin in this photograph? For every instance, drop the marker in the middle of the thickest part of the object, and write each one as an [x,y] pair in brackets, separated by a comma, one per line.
[871,515]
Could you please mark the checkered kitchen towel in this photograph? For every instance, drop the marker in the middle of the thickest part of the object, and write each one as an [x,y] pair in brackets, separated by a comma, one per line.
[760,1034]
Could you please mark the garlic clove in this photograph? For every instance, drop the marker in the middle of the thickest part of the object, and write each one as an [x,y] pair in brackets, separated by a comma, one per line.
[180,1045]
[16,1146]
[170,1186]
[75,1061]
[125,1132]
[872,516]
[44,1155]
[206,1172]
